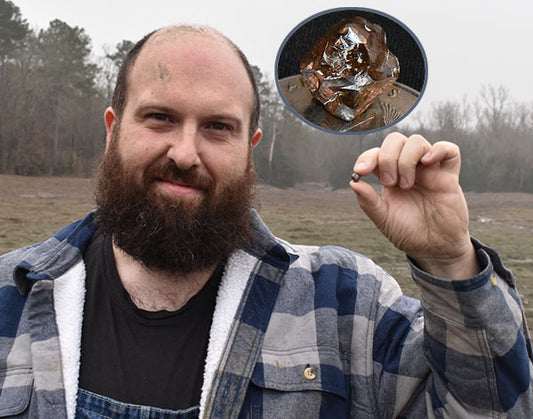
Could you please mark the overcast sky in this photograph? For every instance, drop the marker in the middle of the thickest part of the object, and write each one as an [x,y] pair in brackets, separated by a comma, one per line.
[468,43]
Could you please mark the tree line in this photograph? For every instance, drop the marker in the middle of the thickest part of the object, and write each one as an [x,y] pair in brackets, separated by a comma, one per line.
[494,132]
[52,96]
[53,93]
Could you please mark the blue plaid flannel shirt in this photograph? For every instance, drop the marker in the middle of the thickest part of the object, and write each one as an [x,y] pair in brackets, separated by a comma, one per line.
[318,333]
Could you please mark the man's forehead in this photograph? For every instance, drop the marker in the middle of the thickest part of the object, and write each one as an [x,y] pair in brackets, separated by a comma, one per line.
[192,68]
[185,48]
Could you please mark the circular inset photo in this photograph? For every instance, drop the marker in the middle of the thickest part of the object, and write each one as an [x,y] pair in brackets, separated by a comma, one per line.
[351,70]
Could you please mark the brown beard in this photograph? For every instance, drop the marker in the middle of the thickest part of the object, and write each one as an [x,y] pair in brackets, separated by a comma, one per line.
[175,236]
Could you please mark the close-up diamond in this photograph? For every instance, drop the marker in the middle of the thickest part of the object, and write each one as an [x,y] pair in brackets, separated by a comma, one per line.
[349,67]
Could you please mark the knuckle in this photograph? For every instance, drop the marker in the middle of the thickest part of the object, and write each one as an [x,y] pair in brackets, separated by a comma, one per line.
[394,139]
[394,135]
[448,146]
[418,138]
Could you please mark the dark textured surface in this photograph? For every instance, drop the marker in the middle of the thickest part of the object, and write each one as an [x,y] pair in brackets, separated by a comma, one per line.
[400,41]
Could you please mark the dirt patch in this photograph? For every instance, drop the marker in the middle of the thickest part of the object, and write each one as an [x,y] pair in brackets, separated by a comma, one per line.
[33,208]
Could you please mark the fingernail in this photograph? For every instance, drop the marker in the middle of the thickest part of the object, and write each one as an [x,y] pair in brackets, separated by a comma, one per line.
[386,178]
[403,182]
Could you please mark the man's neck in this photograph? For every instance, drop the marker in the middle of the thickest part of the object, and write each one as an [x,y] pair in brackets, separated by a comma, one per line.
[155,291]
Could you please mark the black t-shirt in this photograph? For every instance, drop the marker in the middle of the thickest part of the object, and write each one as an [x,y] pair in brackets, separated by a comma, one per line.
[140,357]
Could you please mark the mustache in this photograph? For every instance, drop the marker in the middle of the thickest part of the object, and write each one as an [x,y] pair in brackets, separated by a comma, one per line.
[171,171]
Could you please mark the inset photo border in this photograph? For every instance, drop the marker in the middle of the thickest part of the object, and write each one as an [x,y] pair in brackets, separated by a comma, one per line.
[389,107]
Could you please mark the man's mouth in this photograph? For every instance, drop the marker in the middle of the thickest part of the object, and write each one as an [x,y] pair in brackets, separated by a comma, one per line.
[178,187]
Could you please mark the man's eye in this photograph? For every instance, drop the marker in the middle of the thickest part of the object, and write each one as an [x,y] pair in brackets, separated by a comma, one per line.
[219,126]
[159,116]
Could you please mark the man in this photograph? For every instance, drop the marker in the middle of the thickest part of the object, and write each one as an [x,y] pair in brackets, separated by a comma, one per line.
[173,299]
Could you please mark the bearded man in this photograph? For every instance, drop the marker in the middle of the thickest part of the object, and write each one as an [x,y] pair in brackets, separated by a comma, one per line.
[173,299]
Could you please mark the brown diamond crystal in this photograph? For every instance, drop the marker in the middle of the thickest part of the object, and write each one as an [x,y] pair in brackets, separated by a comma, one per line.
[349,67]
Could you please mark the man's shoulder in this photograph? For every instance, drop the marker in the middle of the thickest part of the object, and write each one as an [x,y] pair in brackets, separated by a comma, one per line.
[8,262]
[51,256]
[316,257]
[301,256]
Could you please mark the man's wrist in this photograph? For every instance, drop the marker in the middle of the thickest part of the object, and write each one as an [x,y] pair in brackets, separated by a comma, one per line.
[463,267]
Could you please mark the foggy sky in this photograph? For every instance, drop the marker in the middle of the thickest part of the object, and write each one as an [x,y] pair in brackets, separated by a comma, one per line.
[468,43]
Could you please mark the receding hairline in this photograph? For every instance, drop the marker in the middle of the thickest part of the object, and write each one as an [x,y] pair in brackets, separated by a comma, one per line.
[175,31]
[183,32]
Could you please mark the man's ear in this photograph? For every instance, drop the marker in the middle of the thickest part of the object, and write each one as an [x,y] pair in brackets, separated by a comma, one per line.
[110,119]
[256,137]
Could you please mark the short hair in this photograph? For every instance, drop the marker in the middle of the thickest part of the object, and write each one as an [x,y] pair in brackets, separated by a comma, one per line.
[118,100]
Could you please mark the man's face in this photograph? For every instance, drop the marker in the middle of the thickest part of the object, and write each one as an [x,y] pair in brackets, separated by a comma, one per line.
[189,101]
[175,185]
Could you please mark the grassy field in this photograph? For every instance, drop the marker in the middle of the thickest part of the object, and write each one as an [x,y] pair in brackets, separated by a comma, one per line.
[32,208]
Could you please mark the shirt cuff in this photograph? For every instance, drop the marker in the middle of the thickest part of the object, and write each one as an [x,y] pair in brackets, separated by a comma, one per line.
[471,298]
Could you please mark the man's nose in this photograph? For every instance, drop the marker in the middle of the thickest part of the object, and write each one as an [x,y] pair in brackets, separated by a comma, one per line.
[183,147]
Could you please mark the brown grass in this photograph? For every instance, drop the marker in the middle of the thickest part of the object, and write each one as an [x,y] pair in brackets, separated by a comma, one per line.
[33,208]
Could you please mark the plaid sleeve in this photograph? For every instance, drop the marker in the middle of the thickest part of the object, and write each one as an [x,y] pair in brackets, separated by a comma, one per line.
[477,343]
